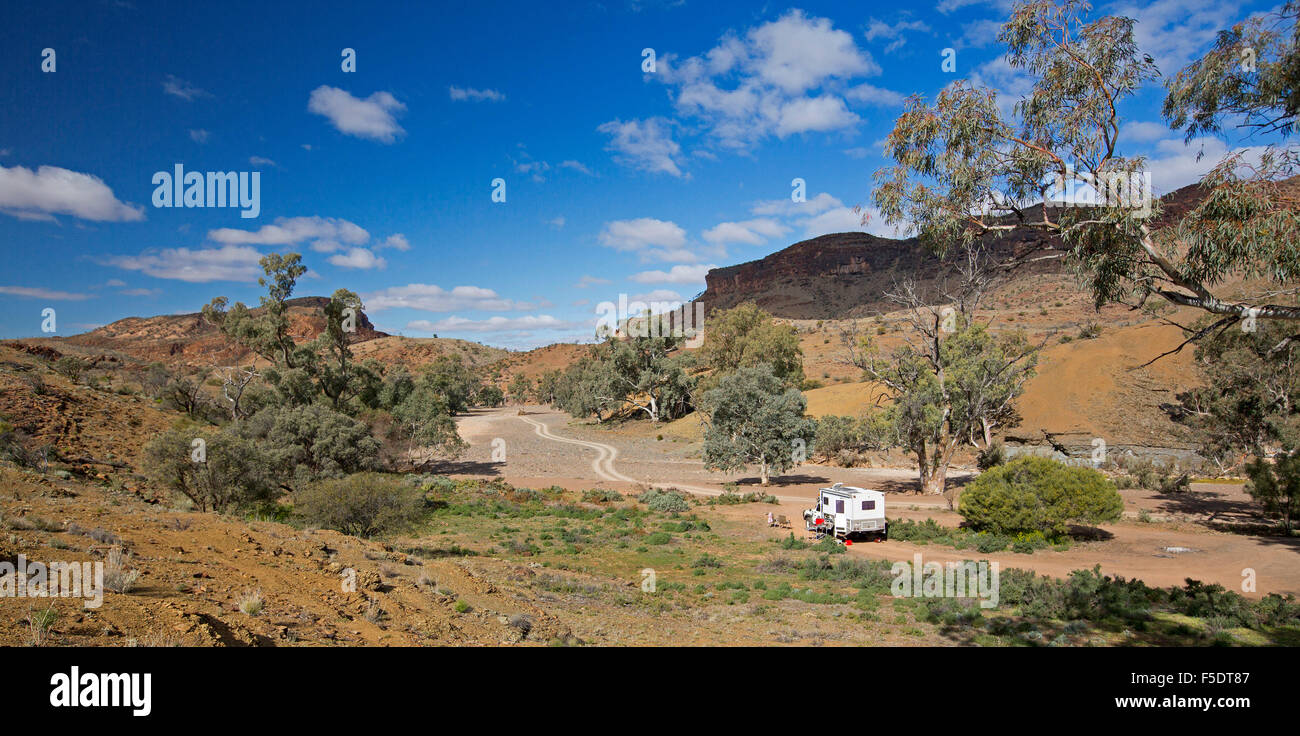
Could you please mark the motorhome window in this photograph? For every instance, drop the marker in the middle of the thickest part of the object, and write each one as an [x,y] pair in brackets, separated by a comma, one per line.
[839,507]
[868,505]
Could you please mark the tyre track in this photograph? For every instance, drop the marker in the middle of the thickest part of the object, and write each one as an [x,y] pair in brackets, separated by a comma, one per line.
[603,465]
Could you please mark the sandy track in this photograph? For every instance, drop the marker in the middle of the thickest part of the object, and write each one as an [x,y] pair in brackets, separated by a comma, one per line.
[603,465]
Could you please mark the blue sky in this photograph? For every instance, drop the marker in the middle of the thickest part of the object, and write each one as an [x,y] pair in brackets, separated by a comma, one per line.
[617,181]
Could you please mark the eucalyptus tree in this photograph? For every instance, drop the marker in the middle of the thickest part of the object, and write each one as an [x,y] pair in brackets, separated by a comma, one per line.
[964,171]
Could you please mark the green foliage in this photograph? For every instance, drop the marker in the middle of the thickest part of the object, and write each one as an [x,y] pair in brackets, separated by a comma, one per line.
[745,336]
[839,433]
[363,504]
[311,442]
[70,367]
[755,418]
[664,501]
[644,374]
[992,456]
[1038,494]
[490,396]
[949,386]
[225,471]
[1250,401]
[962,171]
[1276,486]
[455,381]
[601,495]
[425,423]
[1220,85]
[521,389]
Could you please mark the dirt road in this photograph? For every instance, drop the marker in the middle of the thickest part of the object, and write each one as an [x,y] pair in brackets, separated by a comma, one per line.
[545,447]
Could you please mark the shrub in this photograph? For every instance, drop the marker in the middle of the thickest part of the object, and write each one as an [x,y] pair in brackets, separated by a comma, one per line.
[598,495]
[666,502]
[251,603]
[314,440]
[791,543]
[224,470]
[706,560]
[836,433]
[119,576]
[363,505]
[992,456]
[1037,494]
[70,367]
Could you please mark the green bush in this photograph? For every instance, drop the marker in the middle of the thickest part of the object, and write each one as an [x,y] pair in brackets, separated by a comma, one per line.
[992,456]
[363,504]
[667,502]
[835,433]
[1037,494]
[215,469]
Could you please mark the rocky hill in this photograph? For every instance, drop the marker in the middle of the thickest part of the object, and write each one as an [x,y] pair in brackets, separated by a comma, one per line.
[845,275]
[189,339]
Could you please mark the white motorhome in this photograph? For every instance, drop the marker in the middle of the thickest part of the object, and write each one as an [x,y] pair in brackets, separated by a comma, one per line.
[848,511]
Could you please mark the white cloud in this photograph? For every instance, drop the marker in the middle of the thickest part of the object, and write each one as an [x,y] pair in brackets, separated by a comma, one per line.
[1176,31]
[200,135]
[433,298]
[557,222]
[493,324]
[797,53]
[51,190]
[649,238]
[1141,132]
[39,293]
[396,241]
[140,292]
[369,118]
[576,166]
[327,231]
[838,220]
[658,295]
[183,89]
[359,258]
[675,275]
[260,161]
[227,263]
[788,208]
[1010,83]
[749,232]
[588,281]
[781,78]
[895,34]
[872,95]
[644,144]
[826,112]
[1175,165]
[948,6]
[475,95]
[978,34]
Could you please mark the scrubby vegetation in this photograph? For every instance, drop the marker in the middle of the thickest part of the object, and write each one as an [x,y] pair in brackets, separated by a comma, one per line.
[1034,494]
